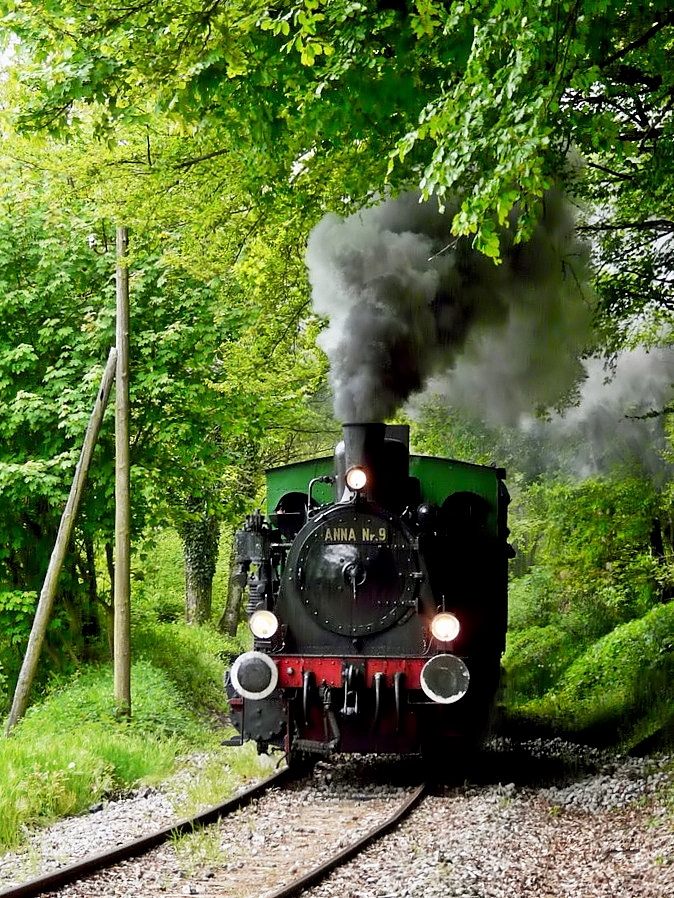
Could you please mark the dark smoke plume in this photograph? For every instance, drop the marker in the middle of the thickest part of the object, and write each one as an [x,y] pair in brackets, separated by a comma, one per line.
[406,300]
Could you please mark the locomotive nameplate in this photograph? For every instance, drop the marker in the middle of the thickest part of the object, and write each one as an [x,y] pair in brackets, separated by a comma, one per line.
[359,533]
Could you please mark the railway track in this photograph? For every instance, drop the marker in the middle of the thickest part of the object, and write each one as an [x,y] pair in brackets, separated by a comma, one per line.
[251,853]
[317,873]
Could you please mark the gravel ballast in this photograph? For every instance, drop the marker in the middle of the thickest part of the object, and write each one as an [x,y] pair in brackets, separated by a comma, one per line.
[590,826]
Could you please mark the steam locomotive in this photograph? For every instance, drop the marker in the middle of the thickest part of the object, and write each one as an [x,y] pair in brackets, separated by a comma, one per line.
[377,599]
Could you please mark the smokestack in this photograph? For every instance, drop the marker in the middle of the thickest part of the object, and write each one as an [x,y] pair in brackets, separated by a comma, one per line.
[383,452]
[363,444]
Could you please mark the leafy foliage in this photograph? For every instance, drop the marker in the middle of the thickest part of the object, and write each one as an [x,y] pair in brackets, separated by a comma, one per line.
[481,98]
[589,632]
[537,657]
[595,541]
[620,688]
[57,312]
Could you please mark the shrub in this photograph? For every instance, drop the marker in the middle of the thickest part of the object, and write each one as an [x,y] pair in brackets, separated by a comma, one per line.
[622,687]
[533,599]
[534,660]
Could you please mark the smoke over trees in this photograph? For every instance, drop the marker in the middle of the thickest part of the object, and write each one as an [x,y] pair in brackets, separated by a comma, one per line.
[406,300]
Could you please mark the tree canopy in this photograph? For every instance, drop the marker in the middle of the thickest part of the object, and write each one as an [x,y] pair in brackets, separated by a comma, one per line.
[492,100]
[204,275]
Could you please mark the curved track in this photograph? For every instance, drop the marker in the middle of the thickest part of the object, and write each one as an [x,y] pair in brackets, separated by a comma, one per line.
[297,886]
[56,879]
[52,882]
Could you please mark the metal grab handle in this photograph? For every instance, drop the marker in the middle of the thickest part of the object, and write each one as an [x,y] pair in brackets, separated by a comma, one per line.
[398,679]
[378,681]
[307,683]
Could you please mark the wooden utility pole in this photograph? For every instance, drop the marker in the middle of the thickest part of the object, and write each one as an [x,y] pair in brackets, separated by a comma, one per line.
[122,585]
[48,593]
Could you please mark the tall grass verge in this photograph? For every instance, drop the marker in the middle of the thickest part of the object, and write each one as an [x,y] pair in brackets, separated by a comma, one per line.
[70,751]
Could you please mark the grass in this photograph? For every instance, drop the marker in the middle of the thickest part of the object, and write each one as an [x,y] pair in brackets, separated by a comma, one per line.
[200,849]
[70,750]
[219,776]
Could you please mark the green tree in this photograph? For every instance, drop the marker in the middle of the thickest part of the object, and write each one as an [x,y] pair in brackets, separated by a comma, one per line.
[487,99]
[50,362]
[220,342]
[57,314]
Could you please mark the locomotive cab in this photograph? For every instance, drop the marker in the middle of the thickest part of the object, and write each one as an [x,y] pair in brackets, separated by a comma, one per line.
[377,600]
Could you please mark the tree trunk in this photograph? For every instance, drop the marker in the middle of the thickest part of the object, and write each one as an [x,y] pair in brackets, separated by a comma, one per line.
[229,621]
[201,538]
[91,624]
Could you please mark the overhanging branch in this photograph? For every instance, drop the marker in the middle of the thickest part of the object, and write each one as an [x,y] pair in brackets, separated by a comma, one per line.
[640,41]
[619,176]
[654,413]
[188,163]
[663,225]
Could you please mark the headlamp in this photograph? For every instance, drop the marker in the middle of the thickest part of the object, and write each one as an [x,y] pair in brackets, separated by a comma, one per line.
[356,478]
[263,624]
[254,675]
[445,626]
[445,679]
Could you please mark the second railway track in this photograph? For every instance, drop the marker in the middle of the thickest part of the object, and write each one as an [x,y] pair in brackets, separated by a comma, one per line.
[272,842]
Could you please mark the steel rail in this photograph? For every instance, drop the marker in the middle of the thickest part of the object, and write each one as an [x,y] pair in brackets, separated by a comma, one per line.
[297,886]
[92,863]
